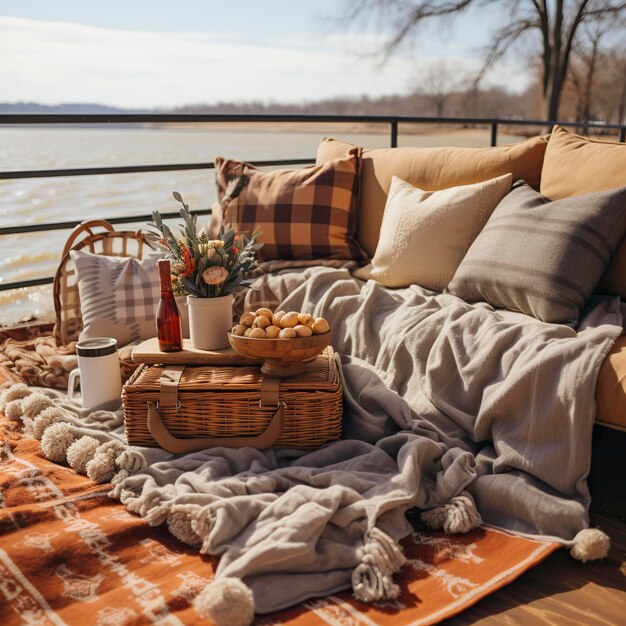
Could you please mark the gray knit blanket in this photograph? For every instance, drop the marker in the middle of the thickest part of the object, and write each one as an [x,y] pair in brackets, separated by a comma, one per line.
[467,413]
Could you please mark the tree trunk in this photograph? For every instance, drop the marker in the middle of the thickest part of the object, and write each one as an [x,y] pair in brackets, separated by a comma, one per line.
[549,109]
[552,95]
[621,113]
[591,70]
[553,80]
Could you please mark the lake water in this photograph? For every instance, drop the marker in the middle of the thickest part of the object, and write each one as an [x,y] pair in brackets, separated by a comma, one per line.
[41,200]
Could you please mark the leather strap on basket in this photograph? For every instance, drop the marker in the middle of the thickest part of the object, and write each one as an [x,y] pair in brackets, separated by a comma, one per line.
[176,445]
[170,378]
[270,387]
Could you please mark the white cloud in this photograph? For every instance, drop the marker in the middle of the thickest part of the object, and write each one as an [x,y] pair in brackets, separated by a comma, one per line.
[53,62]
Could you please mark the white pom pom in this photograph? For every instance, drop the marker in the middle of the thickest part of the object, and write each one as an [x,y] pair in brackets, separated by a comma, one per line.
[102,467]
[81,452]
[179,520]
[13,410]
[227,602]
[460,515]
[55,442]
[49,416]
[590,544]
[14,392]
[35,403]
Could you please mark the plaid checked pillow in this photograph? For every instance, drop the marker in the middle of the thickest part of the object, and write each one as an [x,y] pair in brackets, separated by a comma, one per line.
[118,295]
[307,213]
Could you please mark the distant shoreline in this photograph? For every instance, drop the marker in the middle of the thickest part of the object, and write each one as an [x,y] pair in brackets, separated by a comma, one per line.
[382,128]
[369,128]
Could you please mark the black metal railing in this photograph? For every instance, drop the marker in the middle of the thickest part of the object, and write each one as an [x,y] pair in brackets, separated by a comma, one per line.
[393,122]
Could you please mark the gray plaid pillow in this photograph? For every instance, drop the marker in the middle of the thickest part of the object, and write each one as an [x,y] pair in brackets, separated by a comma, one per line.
[118,295]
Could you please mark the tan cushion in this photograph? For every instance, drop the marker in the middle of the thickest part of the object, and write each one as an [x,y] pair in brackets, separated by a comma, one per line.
[306,213]
[425,234]
[611,388]
[575,165]
[431,169]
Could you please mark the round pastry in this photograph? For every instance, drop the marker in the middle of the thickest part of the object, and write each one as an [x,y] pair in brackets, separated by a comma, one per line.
[287,333]
[320,326]
[289,320]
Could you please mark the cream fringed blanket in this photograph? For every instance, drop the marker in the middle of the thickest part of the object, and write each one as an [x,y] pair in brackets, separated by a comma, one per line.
[455,409]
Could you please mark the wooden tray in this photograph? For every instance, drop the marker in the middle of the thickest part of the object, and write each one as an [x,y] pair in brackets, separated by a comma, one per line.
[148,352]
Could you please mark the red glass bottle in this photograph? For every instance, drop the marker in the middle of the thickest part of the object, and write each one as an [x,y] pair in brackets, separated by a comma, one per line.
[168,322]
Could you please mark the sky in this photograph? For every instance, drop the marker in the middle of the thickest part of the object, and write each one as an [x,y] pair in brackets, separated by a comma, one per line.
[158,53]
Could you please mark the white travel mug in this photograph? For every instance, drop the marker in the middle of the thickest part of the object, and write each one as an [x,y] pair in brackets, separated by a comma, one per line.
[99,372]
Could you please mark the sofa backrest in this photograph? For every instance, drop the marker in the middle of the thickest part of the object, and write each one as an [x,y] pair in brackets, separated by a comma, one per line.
[559,165]
[430,169]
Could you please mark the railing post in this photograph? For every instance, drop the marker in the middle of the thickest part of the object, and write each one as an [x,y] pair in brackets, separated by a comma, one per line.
[394,133]
[622,134]
[494,134]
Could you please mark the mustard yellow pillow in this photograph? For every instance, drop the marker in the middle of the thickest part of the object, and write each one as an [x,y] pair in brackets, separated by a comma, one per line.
[573,166]
[430,169]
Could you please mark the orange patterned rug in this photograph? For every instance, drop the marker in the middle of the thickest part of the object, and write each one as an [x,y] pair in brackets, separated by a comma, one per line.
[70,555]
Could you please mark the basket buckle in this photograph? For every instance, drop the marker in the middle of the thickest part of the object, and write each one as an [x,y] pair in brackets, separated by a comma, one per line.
[279,404]
[157,405]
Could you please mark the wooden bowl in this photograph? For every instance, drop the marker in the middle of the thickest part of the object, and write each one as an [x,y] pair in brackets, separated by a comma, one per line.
[281,357]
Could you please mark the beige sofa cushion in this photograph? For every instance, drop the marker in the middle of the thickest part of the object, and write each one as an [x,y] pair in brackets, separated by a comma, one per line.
[575,165]
[425,234]
[431,169]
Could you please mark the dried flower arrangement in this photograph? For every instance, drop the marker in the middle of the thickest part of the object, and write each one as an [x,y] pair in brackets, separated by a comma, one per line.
[202,266]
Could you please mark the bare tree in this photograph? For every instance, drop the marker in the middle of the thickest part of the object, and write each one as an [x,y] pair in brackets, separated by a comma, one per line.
[596,73]
[621,111]
[557,23]
[583,68]
[608,94]
[437,84]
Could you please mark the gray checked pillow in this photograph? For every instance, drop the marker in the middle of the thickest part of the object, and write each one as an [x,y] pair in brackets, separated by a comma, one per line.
[540,257]
[118,295]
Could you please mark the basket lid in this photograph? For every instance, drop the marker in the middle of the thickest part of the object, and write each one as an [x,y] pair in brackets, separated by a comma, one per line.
[322,374]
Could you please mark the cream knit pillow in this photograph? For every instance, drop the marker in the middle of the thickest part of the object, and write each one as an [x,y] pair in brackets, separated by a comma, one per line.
[425,234]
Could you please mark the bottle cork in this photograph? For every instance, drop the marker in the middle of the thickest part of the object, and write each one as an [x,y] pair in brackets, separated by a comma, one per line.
[165,274]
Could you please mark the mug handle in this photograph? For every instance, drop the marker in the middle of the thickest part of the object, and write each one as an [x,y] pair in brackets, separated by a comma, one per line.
[71,384]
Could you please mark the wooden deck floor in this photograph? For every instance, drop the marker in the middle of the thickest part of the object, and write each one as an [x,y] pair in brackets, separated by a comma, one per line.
[562,591]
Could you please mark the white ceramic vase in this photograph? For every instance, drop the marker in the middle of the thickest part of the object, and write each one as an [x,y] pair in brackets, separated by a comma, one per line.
[181,301]
[210,319]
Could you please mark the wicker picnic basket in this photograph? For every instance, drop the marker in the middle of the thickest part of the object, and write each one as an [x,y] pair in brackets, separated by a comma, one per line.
[186,408]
